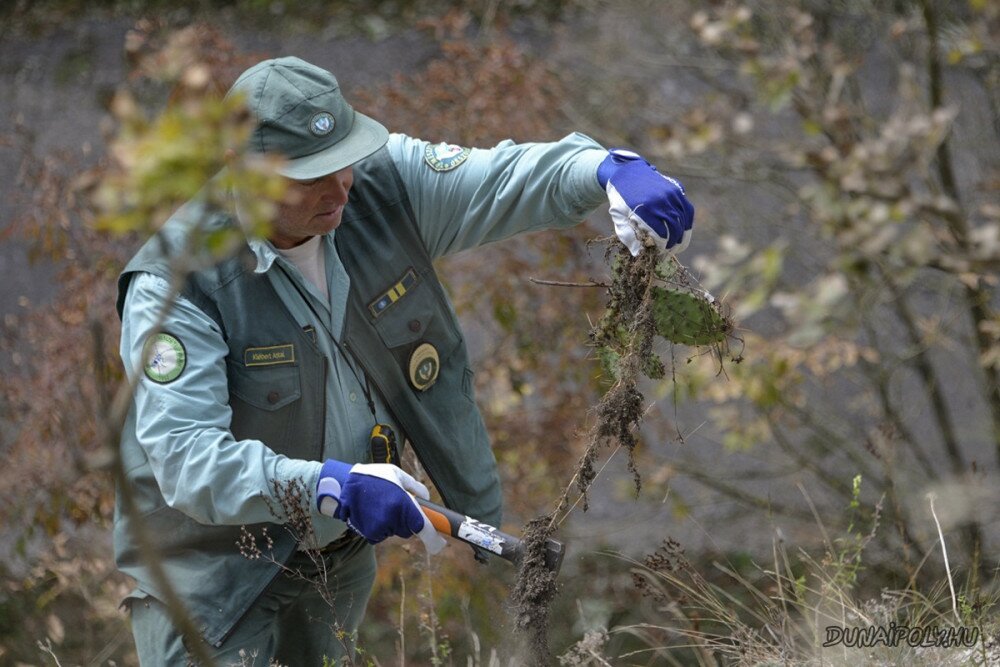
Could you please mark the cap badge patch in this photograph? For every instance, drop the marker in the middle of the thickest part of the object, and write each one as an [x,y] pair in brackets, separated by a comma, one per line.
[321,124]
[165,358]
[445,157]
[424,366]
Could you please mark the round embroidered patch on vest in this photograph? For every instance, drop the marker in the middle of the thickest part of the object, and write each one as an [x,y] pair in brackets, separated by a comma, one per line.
[424,366]
[165,358]
[321,124]
[445,157]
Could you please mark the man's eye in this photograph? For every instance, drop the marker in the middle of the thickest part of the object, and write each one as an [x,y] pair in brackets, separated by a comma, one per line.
[308,183]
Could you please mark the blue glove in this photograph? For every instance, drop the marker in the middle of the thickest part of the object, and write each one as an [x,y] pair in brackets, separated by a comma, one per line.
[645,202]
[372,499]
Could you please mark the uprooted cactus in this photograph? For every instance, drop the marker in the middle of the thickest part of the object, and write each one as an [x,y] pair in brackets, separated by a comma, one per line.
[649,297]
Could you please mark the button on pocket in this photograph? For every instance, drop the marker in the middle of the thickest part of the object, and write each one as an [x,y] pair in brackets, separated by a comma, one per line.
[407,320]
[265,387]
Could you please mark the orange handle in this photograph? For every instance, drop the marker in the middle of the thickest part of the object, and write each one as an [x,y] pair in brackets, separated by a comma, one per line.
[438,520]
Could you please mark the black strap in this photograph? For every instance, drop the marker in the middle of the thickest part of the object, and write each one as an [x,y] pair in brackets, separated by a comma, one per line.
[366,385]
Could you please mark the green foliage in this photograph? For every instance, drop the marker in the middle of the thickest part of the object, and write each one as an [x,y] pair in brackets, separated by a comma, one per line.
[181,155]
[846,559]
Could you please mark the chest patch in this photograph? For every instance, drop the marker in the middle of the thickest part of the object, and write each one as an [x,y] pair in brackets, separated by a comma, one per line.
[269,355]
[424,367]
[445,157]
[394,293]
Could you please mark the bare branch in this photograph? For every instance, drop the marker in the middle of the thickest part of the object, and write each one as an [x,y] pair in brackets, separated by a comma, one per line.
[560,283]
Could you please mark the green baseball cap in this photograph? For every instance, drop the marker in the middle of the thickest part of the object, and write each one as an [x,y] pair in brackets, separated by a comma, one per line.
[302,115]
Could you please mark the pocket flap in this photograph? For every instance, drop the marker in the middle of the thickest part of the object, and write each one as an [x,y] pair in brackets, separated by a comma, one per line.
[265,387]
[407,321]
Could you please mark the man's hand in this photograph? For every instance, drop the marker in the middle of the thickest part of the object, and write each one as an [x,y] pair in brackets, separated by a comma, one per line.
[373,499]
[644,200]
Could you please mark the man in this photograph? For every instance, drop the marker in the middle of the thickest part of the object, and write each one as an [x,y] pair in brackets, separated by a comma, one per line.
[274,366]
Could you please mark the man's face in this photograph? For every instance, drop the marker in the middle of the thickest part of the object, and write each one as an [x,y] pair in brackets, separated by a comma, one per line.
[311,208]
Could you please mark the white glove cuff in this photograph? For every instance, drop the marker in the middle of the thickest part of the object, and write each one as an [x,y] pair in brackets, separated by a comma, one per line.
[680,247]
[628,223]
[329,489]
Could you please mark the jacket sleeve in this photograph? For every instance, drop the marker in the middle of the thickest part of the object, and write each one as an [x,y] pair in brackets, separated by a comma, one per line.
[495,193]
[183,425]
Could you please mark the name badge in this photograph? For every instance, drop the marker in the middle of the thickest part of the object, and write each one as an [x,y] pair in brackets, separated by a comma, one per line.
[270,355]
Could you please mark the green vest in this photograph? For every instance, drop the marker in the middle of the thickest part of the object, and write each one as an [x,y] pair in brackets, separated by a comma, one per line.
[285,405]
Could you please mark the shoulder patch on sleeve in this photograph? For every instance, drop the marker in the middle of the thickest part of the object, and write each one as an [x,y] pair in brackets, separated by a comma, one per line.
[445,157]
[165,358]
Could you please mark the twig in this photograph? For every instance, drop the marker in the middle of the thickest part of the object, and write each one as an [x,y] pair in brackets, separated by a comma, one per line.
[46,647]
[977,296]
[555,521]
[926,372]
[477,649]
[819,522]
[560,283]
[109,648]
[731,491]
[430,623]
[878,374]
[111,422]
[580,497]
[402,620]
[944,552]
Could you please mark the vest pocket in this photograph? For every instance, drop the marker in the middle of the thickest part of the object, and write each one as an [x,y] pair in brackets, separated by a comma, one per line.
[412,319]
[265,387]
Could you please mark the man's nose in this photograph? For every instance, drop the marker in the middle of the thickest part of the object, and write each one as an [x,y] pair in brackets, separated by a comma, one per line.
[336,186]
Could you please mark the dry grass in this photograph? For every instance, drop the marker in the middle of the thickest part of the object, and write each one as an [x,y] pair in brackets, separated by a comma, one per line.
[805,610]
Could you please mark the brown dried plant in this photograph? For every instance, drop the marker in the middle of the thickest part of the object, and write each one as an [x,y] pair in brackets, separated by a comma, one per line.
[291,509]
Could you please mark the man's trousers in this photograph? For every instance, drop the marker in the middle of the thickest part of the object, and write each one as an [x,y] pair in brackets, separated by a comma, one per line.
[290,622]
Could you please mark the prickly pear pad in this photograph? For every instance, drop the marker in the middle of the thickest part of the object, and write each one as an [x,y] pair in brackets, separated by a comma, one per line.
[683,312]
[671,304]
